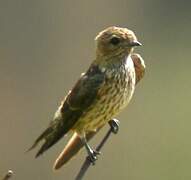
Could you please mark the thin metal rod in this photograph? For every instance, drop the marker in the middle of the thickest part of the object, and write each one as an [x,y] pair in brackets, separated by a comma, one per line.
[87,162]
[8,175]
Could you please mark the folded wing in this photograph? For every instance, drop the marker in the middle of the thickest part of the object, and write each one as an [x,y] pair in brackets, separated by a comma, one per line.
[78,100]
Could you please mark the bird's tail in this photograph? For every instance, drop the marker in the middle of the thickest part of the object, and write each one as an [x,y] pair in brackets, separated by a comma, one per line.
[51,135]
[71,149]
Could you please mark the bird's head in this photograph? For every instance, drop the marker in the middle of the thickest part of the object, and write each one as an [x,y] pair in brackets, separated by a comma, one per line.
[114,41]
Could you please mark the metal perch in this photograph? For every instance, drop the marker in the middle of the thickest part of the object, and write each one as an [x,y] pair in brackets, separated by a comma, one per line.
[114,127]
[8,175]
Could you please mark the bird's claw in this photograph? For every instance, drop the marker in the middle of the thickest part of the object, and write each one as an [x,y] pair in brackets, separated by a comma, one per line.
[92,156]
[114,125]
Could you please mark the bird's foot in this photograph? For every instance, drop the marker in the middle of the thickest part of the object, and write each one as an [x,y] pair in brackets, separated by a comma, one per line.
[114,125]
[92,156]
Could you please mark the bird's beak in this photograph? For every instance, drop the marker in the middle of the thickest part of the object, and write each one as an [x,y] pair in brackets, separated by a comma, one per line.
[135,43]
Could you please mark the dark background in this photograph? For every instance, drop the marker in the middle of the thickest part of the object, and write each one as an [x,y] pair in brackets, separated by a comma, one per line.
[44,47]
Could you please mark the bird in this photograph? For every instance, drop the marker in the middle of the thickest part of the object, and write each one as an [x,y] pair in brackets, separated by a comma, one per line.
[100,93]
[75,144]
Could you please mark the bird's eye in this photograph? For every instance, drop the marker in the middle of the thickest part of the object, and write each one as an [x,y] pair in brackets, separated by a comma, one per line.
[115,40]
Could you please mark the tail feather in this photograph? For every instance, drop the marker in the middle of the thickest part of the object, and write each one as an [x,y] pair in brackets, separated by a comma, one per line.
[71,149]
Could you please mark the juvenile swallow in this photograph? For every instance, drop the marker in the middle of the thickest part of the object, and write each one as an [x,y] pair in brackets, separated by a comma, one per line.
[101,92]
[75,144]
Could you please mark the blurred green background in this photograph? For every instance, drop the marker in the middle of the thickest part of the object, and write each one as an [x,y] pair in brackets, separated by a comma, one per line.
[44,47]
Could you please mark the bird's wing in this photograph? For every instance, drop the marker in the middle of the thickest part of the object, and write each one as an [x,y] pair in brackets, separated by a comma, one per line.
[139,65]
[78,100]
[81,97]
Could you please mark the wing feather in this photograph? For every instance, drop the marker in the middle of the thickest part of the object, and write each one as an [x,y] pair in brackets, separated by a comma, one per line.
[78,100]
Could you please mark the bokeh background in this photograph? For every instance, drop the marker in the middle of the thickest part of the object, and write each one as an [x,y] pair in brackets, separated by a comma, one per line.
[44,47]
